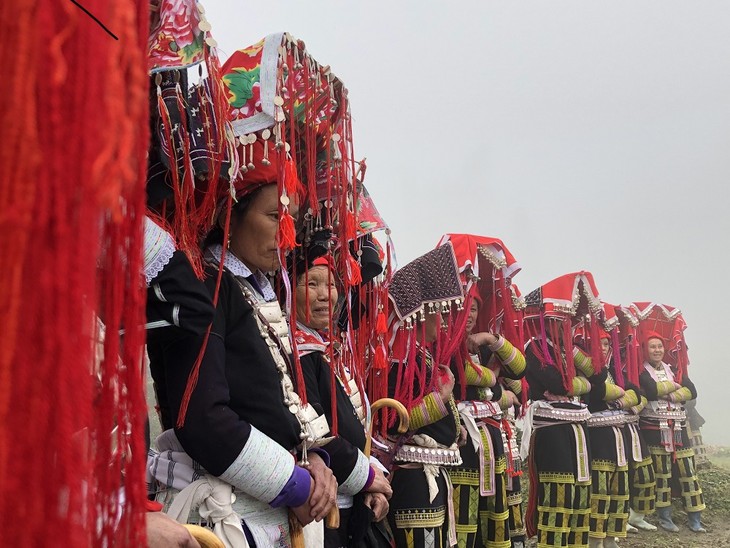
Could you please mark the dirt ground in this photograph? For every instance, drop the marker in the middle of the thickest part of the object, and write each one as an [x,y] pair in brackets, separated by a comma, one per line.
[717,536]
[715,482]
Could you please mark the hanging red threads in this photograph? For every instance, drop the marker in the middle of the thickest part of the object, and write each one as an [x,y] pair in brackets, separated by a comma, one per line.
[287,235]
[72,230]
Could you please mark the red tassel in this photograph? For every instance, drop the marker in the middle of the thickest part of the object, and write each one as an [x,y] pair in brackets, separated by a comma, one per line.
[354,276]
[381,362]
[287,234]
[381,324]
[291,179]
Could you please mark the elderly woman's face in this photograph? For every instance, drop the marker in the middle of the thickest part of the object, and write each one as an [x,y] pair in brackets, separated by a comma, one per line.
[316,295]
[253,234]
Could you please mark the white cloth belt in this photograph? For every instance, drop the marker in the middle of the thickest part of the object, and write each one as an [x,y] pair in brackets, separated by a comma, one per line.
[471,425]
[527,432]
[213,499]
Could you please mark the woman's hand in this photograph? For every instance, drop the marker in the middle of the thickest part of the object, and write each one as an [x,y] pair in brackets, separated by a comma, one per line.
[463,436]
[380,484]
[324,495]
[304,512]
[476,340]
[165,532]
[549,396]
[378,504]
[445,382]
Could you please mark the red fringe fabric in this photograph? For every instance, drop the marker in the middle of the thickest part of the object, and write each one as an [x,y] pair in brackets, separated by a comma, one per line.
[72,210]
[195,371]
[618,365]
[595,346]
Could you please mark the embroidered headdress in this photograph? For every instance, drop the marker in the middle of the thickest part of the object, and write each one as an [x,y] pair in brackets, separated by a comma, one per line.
[553,310]
[666,322]
[430,285]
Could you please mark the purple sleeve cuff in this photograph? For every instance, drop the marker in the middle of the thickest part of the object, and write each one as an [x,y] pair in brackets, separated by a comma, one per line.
[322,453]
[371,478]
[296,491]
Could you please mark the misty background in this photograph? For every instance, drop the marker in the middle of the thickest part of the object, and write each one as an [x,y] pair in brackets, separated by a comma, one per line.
[586,135]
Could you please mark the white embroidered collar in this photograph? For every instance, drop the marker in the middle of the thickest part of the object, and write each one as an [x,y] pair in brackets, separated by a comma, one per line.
[237,268]
[158,249]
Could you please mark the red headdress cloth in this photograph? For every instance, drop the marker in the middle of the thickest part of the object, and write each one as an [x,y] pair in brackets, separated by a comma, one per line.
[667,322]
[487,264]
[193,139]
[610,329]
[551,312]
[291,114]
[629,341]
[486,267]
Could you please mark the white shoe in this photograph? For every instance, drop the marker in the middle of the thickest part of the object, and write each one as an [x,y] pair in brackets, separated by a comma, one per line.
[610,542]
[637,520]
[631,529]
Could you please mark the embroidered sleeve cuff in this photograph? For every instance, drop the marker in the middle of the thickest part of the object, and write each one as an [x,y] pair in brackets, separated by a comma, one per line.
[664,387]
[262,469]
[431,409]
[629,400]
[513,385]
[322,453]
[580,386]
[497,346]
[638,408]
[613,392]
[681,395]
[357,480]
[509,356]
[371,478]
[583,362]
[477,375]
[296,491]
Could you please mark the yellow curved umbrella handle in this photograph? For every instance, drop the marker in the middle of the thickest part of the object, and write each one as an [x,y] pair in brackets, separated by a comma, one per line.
[402,415]
[205,537]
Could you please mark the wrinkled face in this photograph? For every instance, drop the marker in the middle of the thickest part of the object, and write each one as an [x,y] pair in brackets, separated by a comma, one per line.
[655,350]
[471,320]
[253,234]
[316,295]
[605,347]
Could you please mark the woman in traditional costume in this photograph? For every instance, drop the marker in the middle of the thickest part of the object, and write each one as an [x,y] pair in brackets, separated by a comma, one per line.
[365,485]
[663,426]
[609,454]
[422,294]
[481,482]
[559,460]
[245,419]
[625,364]
[240,409]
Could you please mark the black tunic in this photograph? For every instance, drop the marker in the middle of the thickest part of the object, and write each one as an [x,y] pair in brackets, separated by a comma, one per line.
[177,299]
[238,385]
[344,450]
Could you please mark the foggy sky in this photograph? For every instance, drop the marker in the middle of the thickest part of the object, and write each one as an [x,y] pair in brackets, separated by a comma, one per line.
[586,135]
